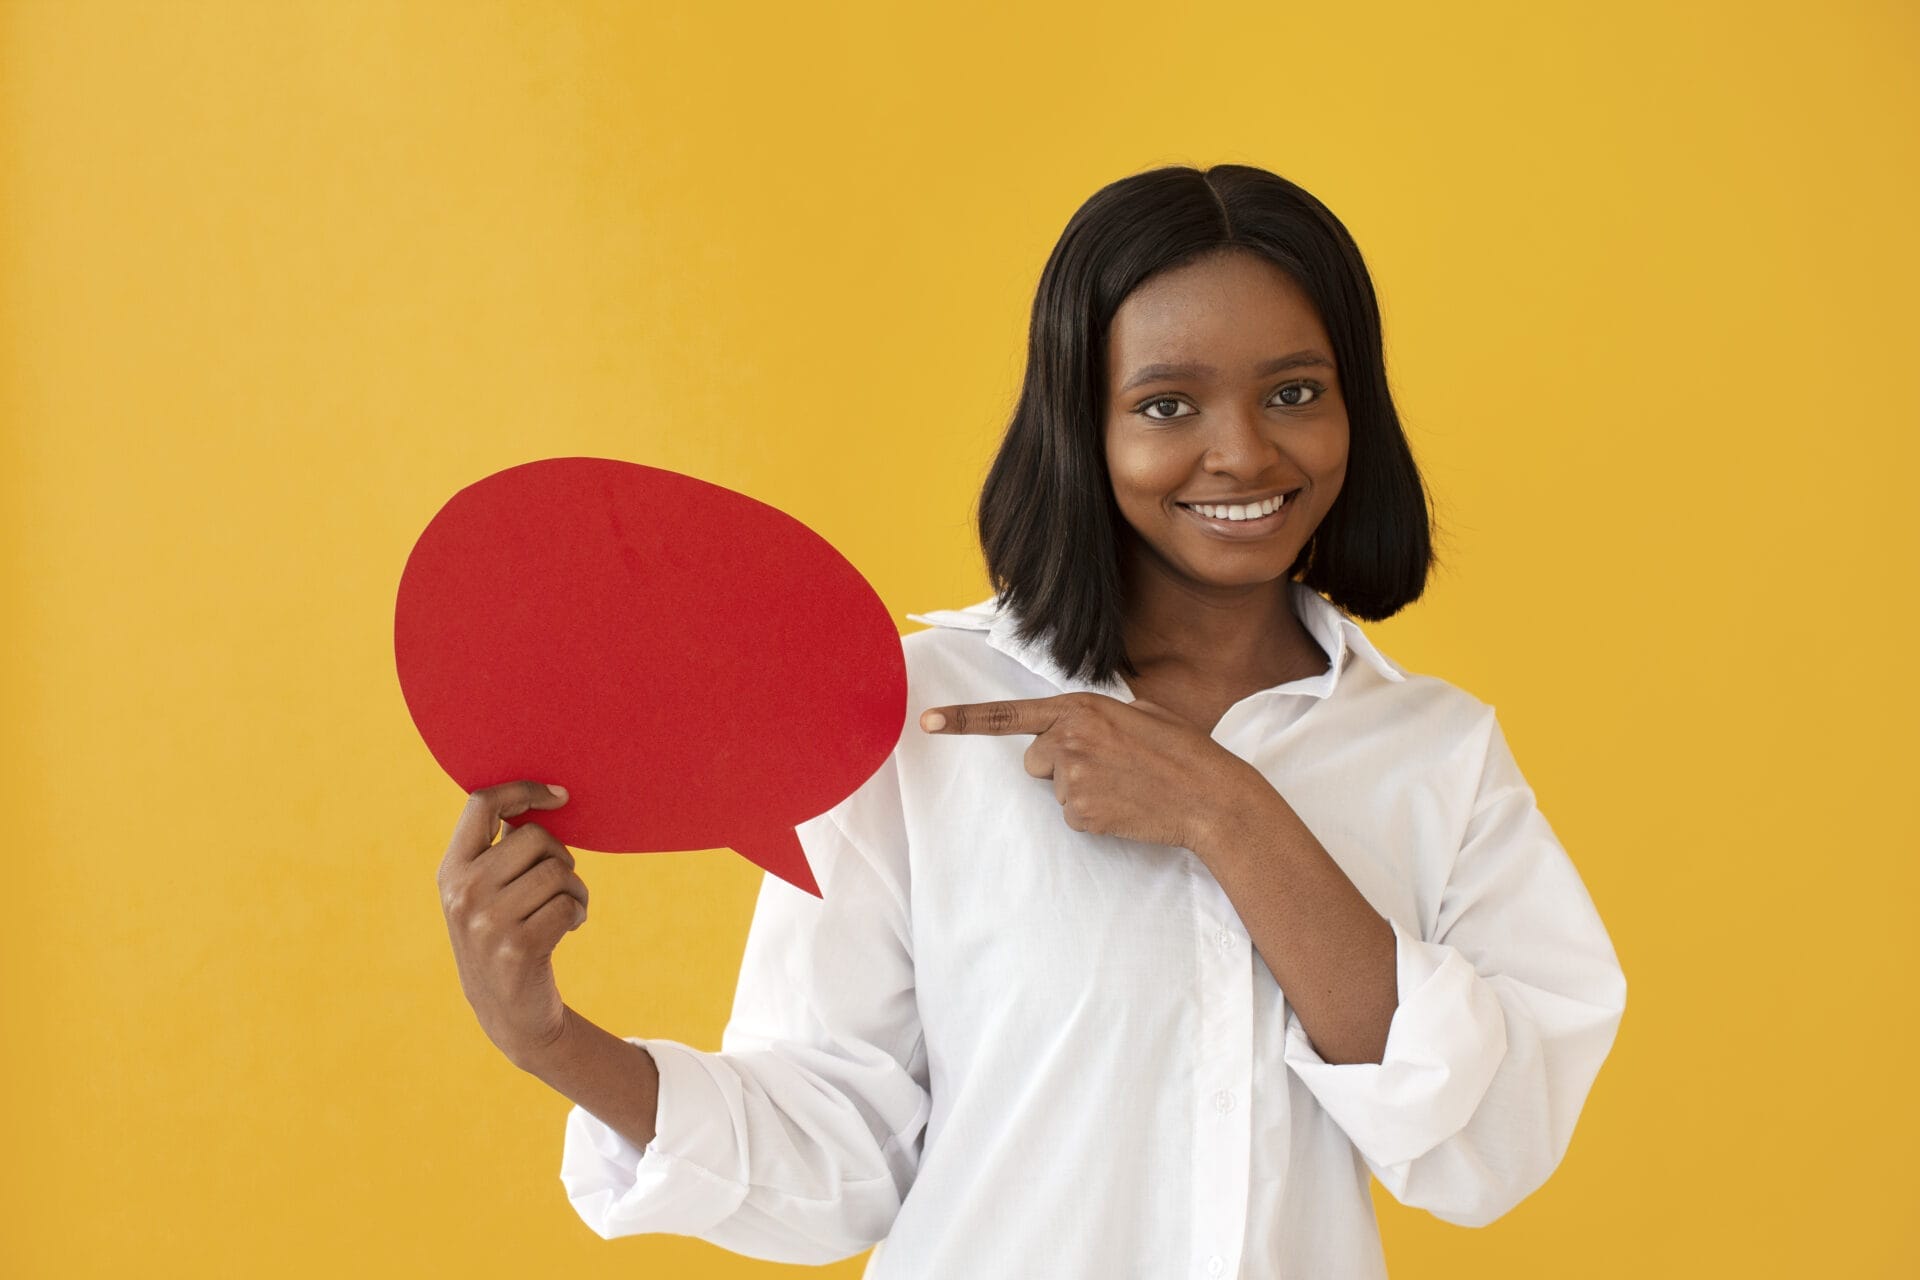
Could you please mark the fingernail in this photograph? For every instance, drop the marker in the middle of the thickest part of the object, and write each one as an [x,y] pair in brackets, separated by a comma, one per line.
[933,722]
[557,790]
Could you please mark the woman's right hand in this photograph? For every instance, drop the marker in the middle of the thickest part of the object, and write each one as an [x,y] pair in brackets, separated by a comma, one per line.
[508,905]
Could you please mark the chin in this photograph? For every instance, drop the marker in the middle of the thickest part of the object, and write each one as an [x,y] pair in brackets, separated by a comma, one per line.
[1237,571]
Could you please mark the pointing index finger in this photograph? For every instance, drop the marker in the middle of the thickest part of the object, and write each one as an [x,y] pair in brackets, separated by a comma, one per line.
[1018,715]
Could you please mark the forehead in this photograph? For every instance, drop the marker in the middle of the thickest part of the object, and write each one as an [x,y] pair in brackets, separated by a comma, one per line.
[1212,311]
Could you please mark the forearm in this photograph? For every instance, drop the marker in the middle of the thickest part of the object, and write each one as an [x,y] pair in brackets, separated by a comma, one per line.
[615,1081]
[1330,952]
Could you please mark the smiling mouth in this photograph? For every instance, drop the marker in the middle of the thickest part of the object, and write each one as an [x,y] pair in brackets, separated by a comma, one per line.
[1225,514]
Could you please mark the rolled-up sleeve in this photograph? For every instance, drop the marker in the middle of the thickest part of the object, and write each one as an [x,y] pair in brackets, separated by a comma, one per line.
[798,1140]
[1505,1015]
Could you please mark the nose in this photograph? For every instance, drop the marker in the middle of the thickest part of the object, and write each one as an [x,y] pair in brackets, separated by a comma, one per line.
[1241,445]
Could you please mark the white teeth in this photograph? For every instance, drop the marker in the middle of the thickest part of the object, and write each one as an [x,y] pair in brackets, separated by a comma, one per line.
[1237,511]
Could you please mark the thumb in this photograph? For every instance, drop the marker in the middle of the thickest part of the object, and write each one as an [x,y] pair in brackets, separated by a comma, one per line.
[528,795]
[532,795]
[1154,709]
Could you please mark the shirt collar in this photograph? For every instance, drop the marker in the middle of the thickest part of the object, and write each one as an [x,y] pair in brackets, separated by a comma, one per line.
[1338,635]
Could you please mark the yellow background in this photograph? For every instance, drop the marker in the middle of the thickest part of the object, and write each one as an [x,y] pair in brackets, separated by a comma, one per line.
[276,279]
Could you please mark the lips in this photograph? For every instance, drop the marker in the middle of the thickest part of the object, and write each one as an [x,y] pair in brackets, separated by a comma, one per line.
[1241,530]
[1288,495]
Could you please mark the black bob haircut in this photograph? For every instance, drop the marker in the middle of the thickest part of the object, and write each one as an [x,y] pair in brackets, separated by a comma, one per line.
[1049,526]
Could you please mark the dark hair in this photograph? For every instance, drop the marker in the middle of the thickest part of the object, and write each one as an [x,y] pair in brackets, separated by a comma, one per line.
[1049,525]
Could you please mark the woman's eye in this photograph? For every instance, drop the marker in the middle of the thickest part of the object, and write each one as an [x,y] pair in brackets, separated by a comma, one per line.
[1298,388]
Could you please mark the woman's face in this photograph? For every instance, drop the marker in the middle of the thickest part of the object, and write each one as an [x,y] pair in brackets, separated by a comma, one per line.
[1221,388]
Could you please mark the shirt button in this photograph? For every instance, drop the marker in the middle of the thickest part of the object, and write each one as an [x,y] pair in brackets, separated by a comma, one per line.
[1223,1101]
[1224,938]
[1216,1264]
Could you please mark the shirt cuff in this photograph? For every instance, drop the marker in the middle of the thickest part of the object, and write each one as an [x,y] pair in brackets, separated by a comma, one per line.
[1446,1041]
[671,1185]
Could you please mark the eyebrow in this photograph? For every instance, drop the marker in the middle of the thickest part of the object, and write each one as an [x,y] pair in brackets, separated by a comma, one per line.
[1156,372]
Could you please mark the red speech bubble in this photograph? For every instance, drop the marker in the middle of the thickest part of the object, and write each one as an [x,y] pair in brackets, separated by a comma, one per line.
[700,670]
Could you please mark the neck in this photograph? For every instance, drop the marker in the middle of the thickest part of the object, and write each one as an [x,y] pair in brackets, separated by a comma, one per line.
[1227,634]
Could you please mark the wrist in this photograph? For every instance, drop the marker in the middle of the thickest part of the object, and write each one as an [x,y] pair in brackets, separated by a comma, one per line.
[539,1059]
[1242,811]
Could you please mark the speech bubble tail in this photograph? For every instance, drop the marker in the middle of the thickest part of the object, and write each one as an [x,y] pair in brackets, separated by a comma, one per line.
[780,853]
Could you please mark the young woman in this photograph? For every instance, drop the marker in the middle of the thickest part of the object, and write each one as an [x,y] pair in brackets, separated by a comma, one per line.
[1179,907]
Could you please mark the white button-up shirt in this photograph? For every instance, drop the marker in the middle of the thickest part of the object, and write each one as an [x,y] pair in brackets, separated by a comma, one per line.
[1000,1047]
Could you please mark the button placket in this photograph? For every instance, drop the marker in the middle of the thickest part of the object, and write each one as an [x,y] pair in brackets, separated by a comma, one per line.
[1222,1074]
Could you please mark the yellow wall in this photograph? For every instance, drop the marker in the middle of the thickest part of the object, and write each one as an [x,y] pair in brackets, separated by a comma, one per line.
[278,278]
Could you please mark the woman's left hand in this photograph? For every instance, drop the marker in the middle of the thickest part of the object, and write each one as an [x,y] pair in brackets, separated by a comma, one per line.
[1128,769]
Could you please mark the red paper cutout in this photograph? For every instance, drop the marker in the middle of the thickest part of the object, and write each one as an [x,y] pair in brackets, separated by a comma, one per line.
[700,670]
